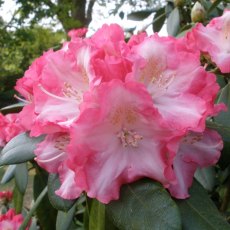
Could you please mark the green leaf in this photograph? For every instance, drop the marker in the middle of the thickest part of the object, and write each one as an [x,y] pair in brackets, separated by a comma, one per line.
[223,130]
[12,108]
[159,19]
[20,149]
[206,177]
[45,212]
[224,160]
[97,216]
[9,174]
[64,219]
[21,177]
[224,117]
[144,205]
[33,209]
[214,5]
[57,202]
[139,15]
[199,212]
[173,22]
[17,200]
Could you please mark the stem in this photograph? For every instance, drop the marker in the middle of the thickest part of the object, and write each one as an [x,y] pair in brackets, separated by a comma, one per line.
[32,210]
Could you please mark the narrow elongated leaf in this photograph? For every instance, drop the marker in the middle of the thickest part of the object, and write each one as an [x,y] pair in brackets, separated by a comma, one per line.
[17,200]
[9,174]
[144,205]
[159,19]
[97,216]
[173,22]
[214,5]
[57,202]
[223,117]
[199,212]
[139,15]
[64,219]
[21,177]
[20,149]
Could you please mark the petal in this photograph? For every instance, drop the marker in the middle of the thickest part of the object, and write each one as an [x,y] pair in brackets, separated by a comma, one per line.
[196,150]
[50,153]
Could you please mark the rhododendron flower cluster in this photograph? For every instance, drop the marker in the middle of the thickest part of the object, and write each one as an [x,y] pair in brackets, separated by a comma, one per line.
[116,111]
[11,220]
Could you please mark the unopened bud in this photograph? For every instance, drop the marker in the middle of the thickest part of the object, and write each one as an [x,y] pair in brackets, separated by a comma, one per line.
[178,3]
[198,13]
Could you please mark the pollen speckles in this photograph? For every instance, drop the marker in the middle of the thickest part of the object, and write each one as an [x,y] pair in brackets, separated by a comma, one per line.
[123,114]
[152,71]
[70,92]
[129,138]
[192,138]
[61,142]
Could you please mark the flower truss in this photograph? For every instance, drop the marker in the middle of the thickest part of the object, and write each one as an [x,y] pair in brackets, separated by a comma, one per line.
[11,220]
[116,111]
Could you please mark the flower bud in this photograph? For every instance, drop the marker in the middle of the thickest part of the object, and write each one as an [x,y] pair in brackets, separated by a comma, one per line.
[198,13]
[178,3]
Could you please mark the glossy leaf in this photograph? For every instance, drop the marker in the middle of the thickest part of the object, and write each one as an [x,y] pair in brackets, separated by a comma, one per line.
[57,202]
[173,22]
[9,174]
[159,19]
[199,212]
[223,117]
[144,205]
[20,149]
[21,177]
[206,177]
[97,216]
[64,219]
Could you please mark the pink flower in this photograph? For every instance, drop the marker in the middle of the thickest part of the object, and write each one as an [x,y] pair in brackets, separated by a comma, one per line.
[10,127]
[174,78]
[214,39]
[5,197]
[11,221]
[195,150]
[118,139]
[52,156]
[56,90]
[77,33]
[109,54]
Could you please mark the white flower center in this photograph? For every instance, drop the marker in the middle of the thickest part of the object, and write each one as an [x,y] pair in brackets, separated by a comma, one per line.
[129,138]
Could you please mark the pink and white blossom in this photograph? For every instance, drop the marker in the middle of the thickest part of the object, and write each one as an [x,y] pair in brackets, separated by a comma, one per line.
[118,139]
[213,40]
[196,150]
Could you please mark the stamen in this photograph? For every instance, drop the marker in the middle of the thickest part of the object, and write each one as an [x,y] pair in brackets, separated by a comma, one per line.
[22,100]
[53,95]
[129,138]
[70,92]
[51,159]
